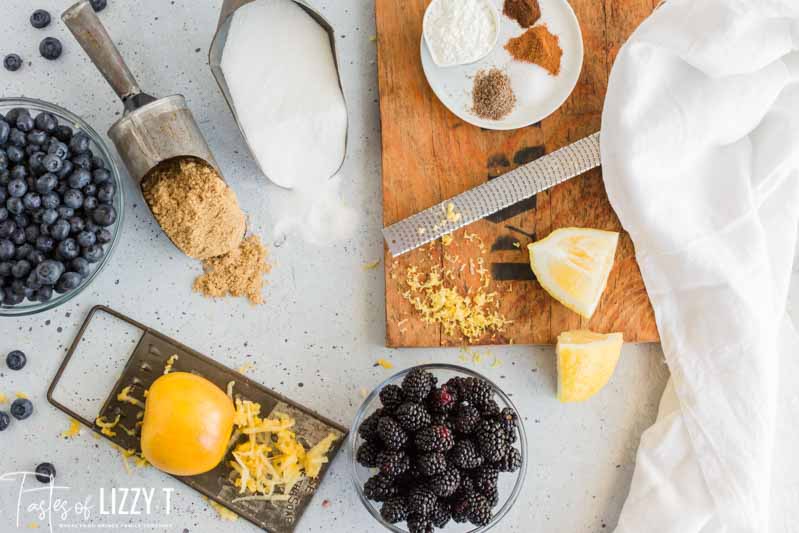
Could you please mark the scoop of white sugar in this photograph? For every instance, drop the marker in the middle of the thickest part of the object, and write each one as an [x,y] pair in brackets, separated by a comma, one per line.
[280,69]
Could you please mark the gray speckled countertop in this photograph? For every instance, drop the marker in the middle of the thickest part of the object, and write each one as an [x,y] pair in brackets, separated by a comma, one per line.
[319,334]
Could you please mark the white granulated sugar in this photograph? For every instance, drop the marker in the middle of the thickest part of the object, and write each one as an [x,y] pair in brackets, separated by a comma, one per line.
[460,31]
[280,69]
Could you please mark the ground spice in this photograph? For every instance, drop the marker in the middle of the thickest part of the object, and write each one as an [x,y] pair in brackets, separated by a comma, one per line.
[237,273]
[537,45]
[195,207]
[492,95]
[525,12]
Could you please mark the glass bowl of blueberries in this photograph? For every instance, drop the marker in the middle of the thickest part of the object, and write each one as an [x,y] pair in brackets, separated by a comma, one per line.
[61,202]
[438,447]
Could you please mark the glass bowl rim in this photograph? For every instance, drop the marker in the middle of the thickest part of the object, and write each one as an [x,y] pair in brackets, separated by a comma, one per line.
[360,415]
[119,202]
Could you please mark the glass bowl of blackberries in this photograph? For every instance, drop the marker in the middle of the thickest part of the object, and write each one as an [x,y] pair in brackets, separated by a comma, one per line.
[61,202]
[438,447]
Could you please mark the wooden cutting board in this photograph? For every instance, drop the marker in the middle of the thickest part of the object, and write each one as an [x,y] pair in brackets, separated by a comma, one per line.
[430,155]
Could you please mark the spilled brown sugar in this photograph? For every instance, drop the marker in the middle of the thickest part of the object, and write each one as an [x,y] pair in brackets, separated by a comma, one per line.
[240,272]
[492,95]
[195,207]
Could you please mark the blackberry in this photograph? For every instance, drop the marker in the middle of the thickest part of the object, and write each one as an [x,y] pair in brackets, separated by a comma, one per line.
[479,509]
[390,432]
[490,409]
[459,508]
[391,397]
[510,421]
[412,416]
[442,400]
[439,419]
[418,384]
[511,462]
[446,484]
[485,479]
[422,501]
[434,439]
[368,429]
[492,440]
[492,498]
[441,515]
[466,486]
[465,419]
[431,464]
[367,454]
[395,510]
[379,488]
[420,524]
[478,392]
[393,464]
[465,455]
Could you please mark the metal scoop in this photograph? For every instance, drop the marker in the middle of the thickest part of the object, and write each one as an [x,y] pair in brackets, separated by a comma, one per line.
[152,130]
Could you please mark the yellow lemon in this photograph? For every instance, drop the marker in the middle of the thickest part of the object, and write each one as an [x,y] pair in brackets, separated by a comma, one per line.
[573,265]
[586,361]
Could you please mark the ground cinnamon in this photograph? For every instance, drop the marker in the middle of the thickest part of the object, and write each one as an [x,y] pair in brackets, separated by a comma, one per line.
[525,12]
[537,45]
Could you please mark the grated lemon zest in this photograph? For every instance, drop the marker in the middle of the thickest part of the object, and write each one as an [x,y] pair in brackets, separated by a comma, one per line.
[446,240]
[223,512]
[124,396]
[3,398]
[74,429]
[170,363]
[106,428]
[21,396]
[371,266]
[385,363]
[230,386]
[246,367]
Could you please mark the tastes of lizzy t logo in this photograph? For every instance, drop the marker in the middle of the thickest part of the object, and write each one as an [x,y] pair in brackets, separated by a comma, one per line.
[35,504]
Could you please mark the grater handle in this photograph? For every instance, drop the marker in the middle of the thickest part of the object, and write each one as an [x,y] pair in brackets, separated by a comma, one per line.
[87,28]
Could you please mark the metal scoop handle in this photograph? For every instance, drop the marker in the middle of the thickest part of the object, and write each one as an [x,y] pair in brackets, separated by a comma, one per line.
[87,28]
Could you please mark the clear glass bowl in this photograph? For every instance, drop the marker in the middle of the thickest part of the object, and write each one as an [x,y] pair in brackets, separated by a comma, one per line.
[510,484]
[100,149]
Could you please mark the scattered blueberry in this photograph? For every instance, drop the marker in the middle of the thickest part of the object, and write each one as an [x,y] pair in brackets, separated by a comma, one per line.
[45,473]
[50,48]
[98,5]
[12,62]
[5,420]
[16,360]
[21,408]
[40,19]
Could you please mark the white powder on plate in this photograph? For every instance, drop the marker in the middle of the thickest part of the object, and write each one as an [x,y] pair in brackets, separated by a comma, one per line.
[281,73]
[460,31]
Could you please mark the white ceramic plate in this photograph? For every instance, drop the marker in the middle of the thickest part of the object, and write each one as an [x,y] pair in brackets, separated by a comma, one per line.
[538,93]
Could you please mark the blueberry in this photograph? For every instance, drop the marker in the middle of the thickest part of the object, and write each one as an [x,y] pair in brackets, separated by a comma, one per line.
[49,216]
[31,234]
[50,200]
[66,212]
[104,215]
[93,254]
[44,294]
[21,409]
[3,158]
[35,257]
[89,190]
[66,169]
[7,250]
[81,266]
[18,236]
[63,133]
[67,249]
[76,225]
[40,19]
[80,178]
[79,144]
[98,163]
[32,201]
[3,198]
[25,122]
[52,163]
[90,203]
[21,269]
[46,183]
[15,154]
[3,212]
[17,138]
[15,206]
[101,175]
[16,360]
[46,122]
[50,48]
[22,251]
[5,269]
[98,5]
[10,297]
[5,420]
[7,227]
[60,229]
[37,137]
[45,243]
[12,62]
[17,188]
[69,281]
[5,129]
[35,162]
[73,198]
[19,172]
[104,236]
[45,473]
[106,192]
[31,149]
[48,272]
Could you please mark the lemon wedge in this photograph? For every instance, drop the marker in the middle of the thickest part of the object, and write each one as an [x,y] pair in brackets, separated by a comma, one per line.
[586,361]
[573,265]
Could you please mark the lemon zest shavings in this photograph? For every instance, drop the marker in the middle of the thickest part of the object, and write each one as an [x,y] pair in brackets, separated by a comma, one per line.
[170,363]
[124,396]
[385,363]
[371,266]
[230,386]
[223,512]
[446,240]
[106,427]
[3,398]
[73,431]
[21,396]
[246,367]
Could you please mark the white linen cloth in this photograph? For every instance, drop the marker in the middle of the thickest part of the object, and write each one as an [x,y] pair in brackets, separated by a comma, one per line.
[700,155]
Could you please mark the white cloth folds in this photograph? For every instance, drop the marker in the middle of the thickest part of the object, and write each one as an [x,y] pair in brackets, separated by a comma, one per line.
[700,154]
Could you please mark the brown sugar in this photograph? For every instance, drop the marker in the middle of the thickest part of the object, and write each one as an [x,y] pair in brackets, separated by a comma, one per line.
[525,12]
[237,273]
[492,95]
[537,45]
[195,207]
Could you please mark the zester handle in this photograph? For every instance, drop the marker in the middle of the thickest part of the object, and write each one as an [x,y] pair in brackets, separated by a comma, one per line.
[87,28]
